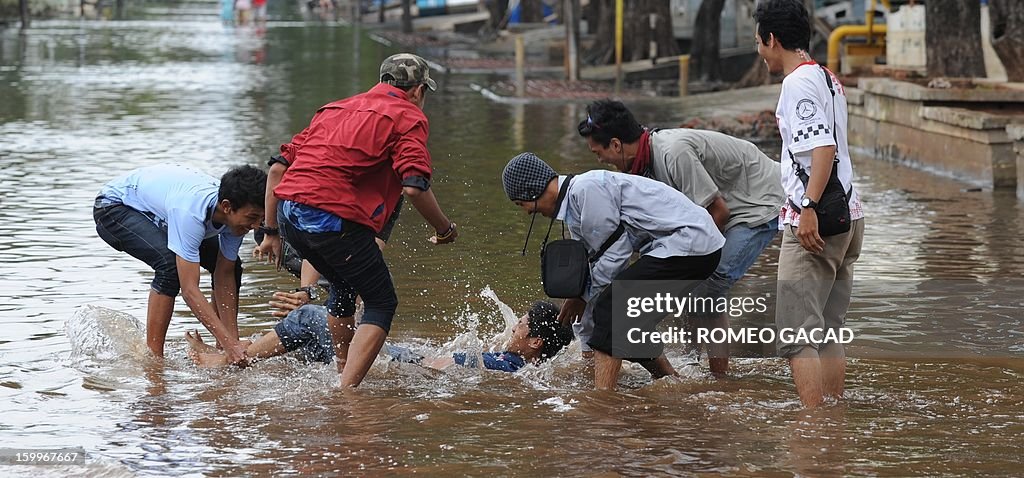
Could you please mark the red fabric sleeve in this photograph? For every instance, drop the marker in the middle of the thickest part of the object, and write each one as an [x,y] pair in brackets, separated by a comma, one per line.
[410,156]
[288,150]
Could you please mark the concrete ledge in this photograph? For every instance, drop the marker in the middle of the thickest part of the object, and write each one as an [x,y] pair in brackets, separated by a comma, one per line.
[985,92]
[971,134]
[854,96]
[1015,131]
[966,118]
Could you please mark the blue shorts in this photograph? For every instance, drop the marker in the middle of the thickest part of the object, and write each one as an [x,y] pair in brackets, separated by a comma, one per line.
[305,330]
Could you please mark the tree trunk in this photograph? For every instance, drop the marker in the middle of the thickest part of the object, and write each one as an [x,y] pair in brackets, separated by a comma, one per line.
[497,9]
[23,8]
[756,75]
[406,16]
[531,11]
[707,31]
[1007,20]
[953,39]
[639,40]
[571,17]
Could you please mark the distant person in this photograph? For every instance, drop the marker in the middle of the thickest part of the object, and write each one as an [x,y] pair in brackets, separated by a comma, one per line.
[538,336]
[176,219]
[227,12]
[260,11]
[345,173]
[731,178]
[815,272]
[676,239]
[243,9]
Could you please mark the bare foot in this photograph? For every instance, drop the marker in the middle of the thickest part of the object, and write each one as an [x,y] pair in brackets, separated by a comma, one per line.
[202,354]
[195,342]
[210,360]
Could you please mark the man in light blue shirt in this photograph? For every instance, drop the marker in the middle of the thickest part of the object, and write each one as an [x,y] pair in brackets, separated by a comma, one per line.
[176,219]
[676,239]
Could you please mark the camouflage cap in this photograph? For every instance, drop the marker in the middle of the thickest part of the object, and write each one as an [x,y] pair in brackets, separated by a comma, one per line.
[405,70]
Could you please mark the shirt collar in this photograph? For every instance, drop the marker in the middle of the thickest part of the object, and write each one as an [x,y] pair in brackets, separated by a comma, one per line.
[390,90]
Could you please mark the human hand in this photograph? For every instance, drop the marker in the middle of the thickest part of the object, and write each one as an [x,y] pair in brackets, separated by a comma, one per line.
[235,354]
[572,311]
[807,233]
[446,237]
[286,302]
[269,250]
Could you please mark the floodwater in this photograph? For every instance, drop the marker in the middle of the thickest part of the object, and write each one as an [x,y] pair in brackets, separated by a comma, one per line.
[937,361]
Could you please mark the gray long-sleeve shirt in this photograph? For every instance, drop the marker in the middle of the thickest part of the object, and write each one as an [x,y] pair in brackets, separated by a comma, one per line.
[659,222]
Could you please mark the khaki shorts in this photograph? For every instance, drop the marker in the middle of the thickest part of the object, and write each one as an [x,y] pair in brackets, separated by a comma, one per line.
[814,289]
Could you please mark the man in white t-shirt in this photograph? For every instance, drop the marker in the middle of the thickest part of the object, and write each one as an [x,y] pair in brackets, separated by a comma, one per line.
[176,219]
[815,272]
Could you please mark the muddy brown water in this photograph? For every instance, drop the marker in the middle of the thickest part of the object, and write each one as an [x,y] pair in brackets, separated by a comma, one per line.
[933,385]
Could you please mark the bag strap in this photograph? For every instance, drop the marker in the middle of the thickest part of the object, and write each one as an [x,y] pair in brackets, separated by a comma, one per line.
[562,191]
[608,243]
[798,169]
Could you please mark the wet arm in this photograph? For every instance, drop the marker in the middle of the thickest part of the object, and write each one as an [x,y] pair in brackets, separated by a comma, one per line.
[719,212]
[821,168]
[188,276]
[225,294]
[270,203]
[426,204]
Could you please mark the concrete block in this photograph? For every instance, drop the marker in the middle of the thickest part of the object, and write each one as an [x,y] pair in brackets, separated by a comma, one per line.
[1016,133]
[966,118]
[907,18]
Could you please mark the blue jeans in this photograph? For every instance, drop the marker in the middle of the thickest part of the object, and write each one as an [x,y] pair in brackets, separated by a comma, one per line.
[349,259]
[306,328]
[742,247]
[128,230]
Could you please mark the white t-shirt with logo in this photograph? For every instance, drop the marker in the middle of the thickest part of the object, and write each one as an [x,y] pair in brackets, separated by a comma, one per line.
[808,115]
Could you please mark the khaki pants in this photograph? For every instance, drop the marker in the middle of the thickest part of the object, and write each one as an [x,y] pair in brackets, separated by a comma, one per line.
[814,289]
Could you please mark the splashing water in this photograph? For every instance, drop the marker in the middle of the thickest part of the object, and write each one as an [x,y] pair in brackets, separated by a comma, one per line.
[99,333]
[501,339]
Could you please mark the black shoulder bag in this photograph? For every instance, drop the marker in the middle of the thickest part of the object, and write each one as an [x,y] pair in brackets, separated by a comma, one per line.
[565,263]
[833,208]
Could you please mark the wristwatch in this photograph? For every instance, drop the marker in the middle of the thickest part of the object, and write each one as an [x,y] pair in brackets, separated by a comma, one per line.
[808,203]
[311,291]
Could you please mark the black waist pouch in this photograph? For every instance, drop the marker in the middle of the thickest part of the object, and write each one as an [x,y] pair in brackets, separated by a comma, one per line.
[833,209]
[565,263]
[564,268]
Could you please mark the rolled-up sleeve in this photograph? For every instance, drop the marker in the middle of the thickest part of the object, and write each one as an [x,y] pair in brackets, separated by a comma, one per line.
[599,212]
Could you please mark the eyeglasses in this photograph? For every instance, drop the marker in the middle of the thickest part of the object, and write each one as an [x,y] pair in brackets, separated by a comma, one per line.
[587,126]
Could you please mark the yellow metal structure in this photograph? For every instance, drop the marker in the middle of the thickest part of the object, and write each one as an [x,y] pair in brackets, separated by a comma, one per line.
[870,30]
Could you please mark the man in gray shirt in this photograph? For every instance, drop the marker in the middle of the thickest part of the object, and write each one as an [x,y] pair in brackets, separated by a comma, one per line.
[676,239]
[731,178]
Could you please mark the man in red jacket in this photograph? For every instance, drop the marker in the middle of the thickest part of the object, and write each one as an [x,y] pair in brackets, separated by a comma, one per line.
[333,187]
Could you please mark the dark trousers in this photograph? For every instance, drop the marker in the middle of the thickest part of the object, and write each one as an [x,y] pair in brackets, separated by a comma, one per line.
[353,264]
[690,269]
[131,231]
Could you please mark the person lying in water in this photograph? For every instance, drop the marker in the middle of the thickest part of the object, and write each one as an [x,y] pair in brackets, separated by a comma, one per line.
[537,337]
